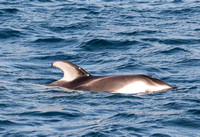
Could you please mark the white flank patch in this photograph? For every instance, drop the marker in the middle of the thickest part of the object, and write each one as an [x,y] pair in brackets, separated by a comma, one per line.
[140,87]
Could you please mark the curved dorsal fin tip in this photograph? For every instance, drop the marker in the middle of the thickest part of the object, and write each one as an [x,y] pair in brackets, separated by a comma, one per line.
[70,70]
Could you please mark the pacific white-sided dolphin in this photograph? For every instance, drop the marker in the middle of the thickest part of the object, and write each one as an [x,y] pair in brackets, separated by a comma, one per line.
[76,78]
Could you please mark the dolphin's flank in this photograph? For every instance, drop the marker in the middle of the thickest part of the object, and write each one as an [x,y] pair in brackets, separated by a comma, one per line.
[76,78]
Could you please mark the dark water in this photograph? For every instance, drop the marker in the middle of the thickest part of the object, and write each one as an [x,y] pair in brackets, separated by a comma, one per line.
[158,37]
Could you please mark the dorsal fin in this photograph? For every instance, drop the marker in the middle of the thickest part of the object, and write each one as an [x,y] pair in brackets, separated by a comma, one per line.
[71,71]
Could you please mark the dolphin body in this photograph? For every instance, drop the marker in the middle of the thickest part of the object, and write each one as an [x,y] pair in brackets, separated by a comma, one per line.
[76,78]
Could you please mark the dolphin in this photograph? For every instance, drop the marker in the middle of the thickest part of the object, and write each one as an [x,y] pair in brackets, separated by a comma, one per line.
[76,78]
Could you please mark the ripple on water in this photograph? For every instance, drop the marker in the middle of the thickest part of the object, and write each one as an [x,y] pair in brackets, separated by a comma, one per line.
[7,33]
[94,134]
[67,44]
[183,122]
[181,11]
[173,41]
[195,112]
[7,123]
[49,40]
[139,32]
[159,135]
[9,11]
[174,50]
[54,114]
[174,105]
[100,44]
[125,115]
[180,41]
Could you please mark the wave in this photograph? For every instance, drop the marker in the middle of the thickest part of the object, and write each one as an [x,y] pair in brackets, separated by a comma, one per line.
[174,50]
[53,42]
[49,40]
[44,0]
[69,28]
[183,122]
[7,123]
[58,56]
[9,11]
[66,115]
[189,62]
[181,11]
[180,41]
[102,44]
[174,105]
[159,135]
[6,33]
[173,41]
[195,112]
[139,32]
[124,116]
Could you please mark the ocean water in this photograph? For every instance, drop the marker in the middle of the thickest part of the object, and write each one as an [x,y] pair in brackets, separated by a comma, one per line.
[160,38]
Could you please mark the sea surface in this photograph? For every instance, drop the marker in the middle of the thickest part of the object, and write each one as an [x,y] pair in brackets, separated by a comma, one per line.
[160,38]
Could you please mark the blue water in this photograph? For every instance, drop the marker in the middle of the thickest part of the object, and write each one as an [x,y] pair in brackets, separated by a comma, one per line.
[160,38]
